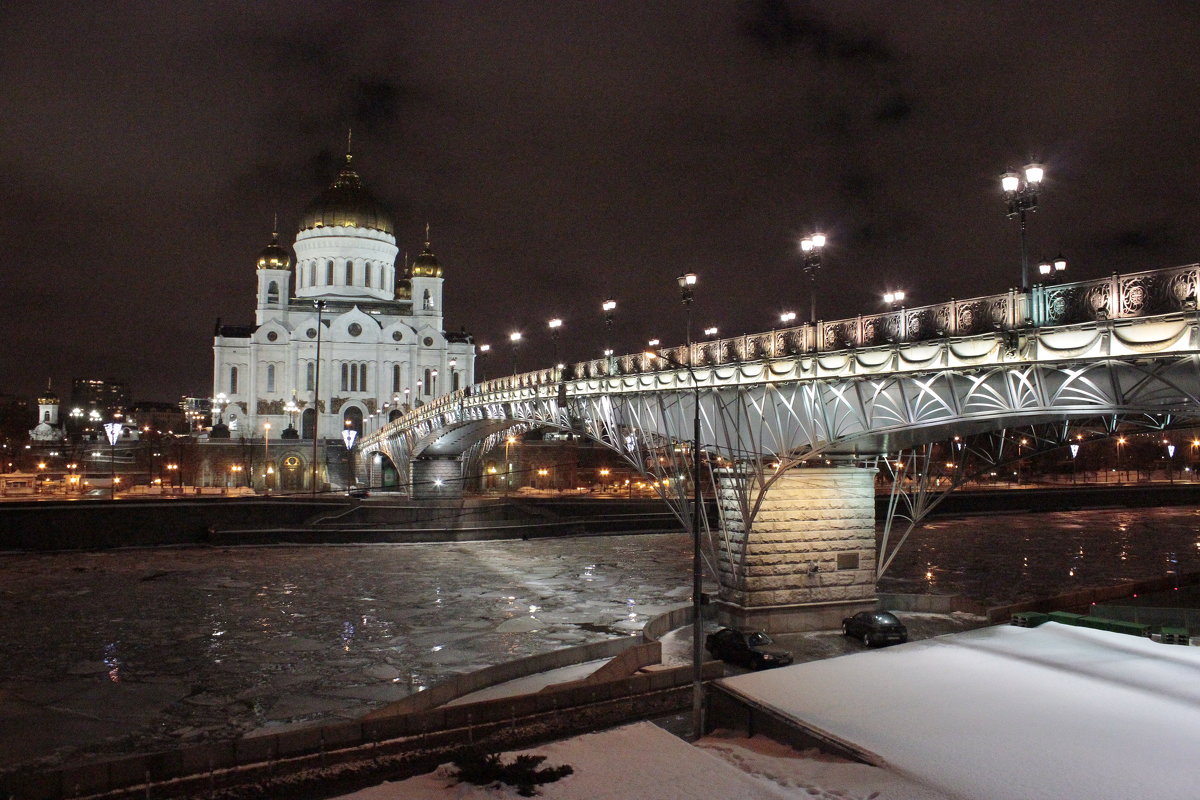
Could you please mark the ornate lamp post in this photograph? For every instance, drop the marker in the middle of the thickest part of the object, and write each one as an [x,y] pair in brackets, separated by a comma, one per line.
[1053,271]
[266,457]
[555,326]
[687,291]
[514,338]
[1021,195]
[811,247]
[320,306]
[609,307]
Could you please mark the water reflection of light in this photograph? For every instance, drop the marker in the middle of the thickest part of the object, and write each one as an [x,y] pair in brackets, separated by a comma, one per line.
[437,648]
[348,631]
[113,662]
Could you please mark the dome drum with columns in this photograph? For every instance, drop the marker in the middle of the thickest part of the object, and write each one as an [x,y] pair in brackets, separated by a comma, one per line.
[382,344]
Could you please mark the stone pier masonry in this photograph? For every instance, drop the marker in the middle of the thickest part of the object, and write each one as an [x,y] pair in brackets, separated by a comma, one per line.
[809,558]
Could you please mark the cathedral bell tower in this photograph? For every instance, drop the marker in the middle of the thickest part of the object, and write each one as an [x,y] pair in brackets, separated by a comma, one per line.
[427,285]
[274,280]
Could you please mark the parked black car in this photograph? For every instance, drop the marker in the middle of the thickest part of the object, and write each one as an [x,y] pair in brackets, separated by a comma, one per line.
[749,648]
[875,628]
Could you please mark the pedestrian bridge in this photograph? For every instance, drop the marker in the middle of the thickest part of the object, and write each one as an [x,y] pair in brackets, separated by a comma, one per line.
[841,391]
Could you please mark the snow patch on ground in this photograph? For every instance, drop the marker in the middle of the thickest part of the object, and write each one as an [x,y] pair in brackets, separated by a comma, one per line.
[1004,712]
[644,761]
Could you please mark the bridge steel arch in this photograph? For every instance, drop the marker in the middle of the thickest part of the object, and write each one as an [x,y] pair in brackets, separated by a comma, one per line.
[768,402]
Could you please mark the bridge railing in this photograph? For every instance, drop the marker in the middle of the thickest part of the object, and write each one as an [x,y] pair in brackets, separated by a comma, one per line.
[1139,294]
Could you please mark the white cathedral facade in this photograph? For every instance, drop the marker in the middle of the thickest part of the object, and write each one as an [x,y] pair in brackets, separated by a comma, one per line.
[343,336]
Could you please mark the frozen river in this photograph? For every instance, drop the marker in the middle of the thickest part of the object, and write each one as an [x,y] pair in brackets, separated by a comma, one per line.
[115,651]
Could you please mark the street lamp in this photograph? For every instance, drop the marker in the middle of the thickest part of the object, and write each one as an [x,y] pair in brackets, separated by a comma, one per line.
[711,333]
[113,431]
[811,247]
[787,317]
[484,349]
[554,325]
[1053,271]
[320,306]
[1021,195]
[266,455]
[687,291]
[893,299]
[609,307]
[697,562]
[515,339]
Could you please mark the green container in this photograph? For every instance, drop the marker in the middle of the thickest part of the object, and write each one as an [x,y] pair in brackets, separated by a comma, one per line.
[1029,619]
[1064,617]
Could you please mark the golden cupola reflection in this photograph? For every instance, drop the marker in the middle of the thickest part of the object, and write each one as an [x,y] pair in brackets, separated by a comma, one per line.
[274,255]
[346,204]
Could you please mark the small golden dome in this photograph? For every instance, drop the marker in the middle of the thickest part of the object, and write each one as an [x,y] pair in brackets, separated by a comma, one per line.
[274,255]
[426,265]
[346,204]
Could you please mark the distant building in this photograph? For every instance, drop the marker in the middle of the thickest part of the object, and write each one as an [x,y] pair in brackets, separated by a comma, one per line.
[106,397]
[160,418]
[48,428]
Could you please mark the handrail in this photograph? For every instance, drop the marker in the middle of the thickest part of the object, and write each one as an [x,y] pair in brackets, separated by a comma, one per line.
[1133,295]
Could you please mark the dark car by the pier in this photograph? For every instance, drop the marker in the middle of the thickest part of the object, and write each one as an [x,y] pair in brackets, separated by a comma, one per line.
[748,648]
[875,628]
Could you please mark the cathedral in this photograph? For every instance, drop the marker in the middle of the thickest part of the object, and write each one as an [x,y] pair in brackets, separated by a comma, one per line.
[343,336]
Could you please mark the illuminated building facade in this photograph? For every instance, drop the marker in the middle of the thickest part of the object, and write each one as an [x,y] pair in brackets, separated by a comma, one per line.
[343,336]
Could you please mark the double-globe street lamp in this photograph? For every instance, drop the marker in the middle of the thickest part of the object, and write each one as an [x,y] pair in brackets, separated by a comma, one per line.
[1021,195]
[609,307]
[514,339]
[811,247]
[1052,271]
[555,326]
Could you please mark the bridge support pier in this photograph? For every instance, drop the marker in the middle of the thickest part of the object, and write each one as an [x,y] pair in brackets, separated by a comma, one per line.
[808,559]
[437,478]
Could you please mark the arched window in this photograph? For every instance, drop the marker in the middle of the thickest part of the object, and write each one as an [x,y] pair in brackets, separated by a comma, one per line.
[273,292]
[349,273]
[354,377]
[362,377]
[312,273]
[427,303]
[310,376]
[270,377]
[345,377]
[367,275]
[233,380]
[426,383]
[395,377]
[454,388]
[329,273]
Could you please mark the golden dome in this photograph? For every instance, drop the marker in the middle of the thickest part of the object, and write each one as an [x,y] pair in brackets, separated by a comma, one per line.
[274,255]
[346,204]
[426,265]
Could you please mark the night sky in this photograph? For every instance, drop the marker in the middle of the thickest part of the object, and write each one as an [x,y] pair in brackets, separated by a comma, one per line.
[566,151]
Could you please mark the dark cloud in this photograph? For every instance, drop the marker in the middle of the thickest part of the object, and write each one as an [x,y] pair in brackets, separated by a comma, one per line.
[565,152]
